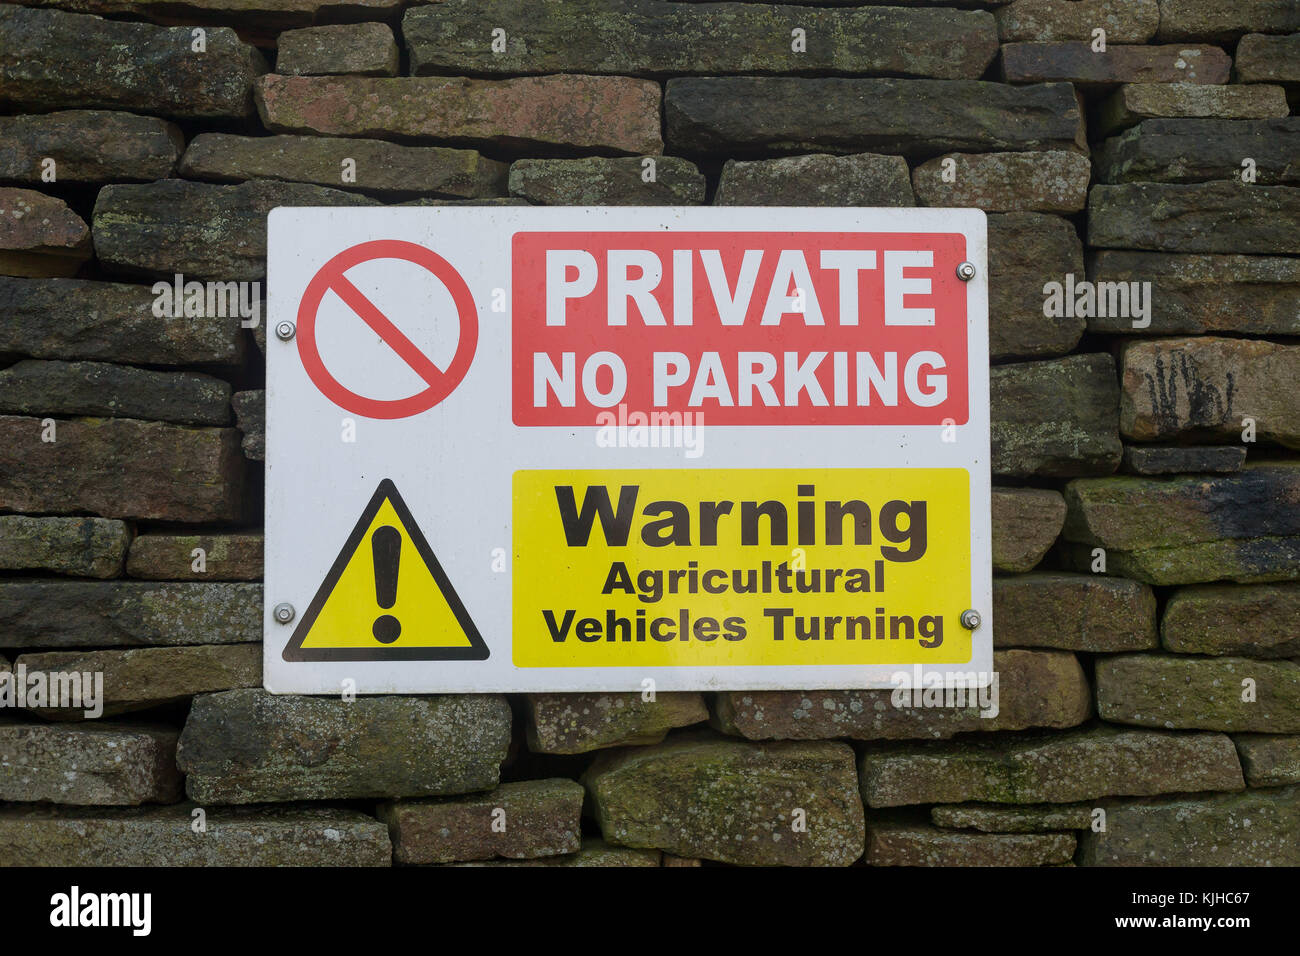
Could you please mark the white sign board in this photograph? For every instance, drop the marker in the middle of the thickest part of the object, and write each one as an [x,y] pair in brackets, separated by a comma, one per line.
[564,449]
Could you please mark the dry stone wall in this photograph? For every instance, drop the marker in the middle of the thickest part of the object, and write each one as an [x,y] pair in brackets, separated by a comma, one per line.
[1144,155]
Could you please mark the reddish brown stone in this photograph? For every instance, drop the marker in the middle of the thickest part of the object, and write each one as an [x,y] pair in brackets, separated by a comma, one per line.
[40,235]
[1078,63]
[576,112]
[522,820]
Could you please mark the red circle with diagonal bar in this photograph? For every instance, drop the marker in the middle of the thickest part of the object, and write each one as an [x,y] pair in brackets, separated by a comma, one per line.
[331,278]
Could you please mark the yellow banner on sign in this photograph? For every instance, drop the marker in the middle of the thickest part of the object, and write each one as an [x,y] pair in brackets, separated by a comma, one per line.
[741,567]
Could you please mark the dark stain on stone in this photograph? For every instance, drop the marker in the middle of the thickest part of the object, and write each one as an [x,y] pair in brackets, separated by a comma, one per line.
[313,751]
[1255,504]
[1207,405]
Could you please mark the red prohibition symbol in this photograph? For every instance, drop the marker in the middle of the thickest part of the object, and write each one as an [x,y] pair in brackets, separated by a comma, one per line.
[441,382]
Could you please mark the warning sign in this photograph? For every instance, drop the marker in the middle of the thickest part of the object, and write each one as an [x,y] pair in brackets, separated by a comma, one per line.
[386,597]
[738,567]
[702,448]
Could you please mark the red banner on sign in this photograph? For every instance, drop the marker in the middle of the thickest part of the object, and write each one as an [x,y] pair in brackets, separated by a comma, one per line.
[747,328]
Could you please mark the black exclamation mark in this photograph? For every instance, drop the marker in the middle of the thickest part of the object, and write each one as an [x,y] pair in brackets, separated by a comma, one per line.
[386,548]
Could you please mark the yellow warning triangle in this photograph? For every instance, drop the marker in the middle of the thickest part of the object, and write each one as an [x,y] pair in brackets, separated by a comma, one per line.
[386,597]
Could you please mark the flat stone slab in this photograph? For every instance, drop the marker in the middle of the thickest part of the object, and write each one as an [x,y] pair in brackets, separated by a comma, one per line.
[650,38]
[1127,513]
[1034,818]
[912,844]
[1055,418]
[615,113]
[1221,217]
[40,235]
[598,181]
[360,49]
[249,746]
[196,557]
[1255,828]
[53,60]
[40,388]
[108,321]
[523,820]
[86,547]
[1189,530]
[1076,62]
[378,168]
[910,117]
[1035,689]
[1026,251]
[1026,522]
[732,801]
[144,677]
[67,614]
[1181,460]
[1270,760]
[1207,388]
[1039,181]
[262,20]
[121,468]
[1198,150]
[1192,294]
[579,723]
[91,764]
[166,836]
[1073,612]
[1268,59]
[1255,620]
[1049,768]
[1125,21]
[201,230]
[1193,693]
[1247,561]
[816,179]
[1209,20]
[1134,102]
[88,146]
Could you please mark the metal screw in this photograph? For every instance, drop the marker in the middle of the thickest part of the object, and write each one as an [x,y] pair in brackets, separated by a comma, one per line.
[966,271]
[970,619]
[284,331]
[283,613]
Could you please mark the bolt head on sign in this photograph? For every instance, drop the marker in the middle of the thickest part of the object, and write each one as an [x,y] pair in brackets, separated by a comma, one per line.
[567,449]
